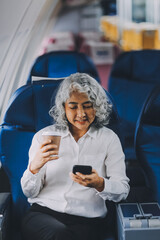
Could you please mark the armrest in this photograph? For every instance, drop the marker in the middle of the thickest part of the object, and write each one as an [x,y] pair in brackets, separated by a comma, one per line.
[5,206]
[4,181]
[5,199]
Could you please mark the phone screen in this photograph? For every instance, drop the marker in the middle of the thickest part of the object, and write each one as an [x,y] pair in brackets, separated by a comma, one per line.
[84,169]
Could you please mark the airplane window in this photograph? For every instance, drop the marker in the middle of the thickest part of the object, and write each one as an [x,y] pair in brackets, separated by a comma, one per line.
[23,24]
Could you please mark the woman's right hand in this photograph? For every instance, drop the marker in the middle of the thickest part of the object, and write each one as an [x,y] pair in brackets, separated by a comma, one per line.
[46,152]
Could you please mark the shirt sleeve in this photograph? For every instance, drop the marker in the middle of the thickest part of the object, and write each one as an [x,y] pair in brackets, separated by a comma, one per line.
[32,183]
[116,185]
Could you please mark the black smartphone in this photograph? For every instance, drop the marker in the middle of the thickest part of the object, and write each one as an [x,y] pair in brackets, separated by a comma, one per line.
[84,169]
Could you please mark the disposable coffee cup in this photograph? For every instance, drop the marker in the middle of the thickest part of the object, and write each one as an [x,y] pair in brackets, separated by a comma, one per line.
[54,137]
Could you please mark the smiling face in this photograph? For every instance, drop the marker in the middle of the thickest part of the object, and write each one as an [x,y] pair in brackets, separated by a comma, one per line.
[79,112]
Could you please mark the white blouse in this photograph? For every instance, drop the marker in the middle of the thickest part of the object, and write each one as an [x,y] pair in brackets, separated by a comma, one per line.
[52,186]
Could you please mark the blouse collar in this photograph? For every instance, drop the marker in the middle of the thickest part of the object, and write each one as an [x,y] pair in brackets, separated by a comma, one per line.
[91,132]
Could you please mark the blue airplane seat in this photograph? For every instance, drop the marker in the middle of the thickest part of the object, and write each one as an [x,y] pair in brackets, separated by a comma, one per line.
[133,76]
[147,141]
[59,64]
[27,113]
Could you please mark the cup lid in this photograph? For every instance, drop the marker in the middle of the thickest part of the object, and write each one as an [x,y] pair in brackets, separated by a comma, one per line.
[51,133]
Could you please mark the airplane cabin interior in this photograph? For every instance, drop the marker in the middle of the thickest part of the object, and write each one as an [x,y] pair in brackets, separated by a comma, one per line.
[117,42]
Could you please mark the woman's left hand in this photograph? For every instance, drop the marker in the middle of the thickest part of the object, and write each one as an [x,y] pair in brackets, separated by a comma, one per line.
[92,180]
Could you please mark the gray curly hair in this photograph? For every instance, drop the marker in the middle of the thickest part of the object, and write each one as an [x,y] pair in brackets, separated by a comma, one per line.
[83,83]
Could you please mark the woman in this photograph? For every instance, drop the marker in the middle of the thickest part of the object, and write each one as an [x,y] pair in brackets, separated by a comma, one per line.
[67,206]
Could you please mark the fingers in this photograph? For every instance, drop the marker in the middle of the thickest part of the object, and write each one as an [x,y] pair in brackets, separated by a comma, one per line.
[92,180]
[48,150]
[83,176]
[94,171]
[49,158]
[45,142]
[47,145]
[77,176]
[85,180]
[49,153]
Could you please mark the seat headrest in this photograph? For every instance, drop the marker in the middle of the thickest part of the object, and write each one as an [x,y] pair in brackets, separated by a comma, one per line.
[150,114]
[29,106]
[142,66]
[61,64]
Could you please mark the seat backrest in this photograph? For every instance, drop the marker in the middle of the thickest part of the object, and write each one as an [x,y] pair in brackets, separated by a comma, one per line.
[59,64]
[147,141]
[133,76]
[26,114]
